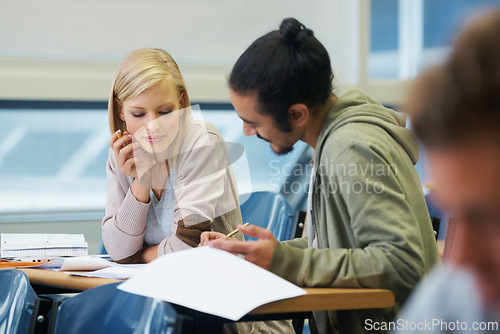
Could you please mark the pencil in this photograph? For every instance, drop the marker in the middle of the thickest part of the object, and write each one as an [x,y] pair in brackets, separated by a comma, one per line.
[236,231]
[119,134]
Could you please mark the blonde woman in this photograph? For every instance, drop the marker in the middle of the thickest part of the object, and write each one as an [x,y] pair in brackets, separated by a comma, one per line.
[169,177]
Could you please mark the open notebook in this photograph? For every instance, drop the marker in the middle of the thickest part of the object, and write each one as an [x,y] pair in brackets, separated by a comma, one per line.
[42,245]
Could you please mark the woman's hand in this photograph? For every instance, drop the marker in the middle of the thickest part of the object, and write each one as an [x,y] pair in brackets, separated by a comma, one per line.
[124,152]
[150,253]
[123,148]
[144,255]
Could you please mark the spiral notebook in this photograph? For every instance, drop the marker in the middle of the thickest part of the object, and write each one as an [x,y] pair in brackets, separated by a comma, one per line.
[42,245]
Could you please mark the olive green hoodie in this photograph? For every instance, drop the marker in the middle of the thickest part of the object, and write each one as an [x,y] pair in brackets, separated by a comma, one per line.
[369,214]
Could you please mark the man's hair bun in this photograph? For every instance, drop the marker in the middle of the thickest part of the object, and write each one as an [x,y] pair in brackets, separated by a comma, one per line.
[290,28]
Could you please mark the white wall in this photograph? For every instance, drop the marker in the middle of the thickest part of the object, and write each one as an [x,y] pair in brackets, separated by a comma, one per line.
[68,50]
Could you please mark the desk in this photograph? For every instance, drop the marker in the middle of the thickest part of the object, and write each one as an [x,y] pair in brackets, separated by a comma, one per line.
[59,279]
[316,299]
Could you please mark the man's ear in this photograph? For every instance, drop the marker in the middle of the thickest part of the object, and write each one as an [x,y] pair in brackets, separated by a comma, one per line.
[299,114]
[119,109]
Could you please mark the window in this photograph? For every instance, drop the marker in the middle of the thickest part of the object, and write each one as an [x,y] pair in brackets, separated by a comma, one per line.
[383,59]
[407,35]
[52,162]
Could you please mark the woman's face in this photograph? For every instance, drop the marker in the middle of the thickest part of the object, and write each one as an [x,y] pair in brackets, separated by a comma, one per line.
[152,117]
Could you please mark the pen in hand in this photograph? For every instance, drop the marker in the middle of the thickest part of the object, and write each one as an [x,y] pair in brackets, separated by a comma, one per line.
[236,231]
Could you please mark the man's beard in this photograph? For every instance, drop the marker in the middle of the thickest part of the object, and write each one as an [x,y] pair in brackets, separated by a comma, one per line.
[281,151]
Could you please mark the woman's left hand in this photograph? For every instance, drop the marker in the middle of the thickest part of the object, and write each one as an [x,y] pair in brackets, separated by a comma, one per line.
[150,253]
[144,255]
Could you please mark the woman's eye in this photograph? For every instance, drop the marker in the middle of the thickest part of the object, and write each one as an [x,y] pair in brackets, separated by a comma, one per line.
[138,114]
[165,112]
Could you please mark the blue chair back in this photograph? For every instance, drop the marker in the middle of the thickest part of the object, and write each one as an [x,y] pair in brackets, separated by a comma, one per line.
[102,249]
[438,218]
[17,299]
[269,210]
[105,309]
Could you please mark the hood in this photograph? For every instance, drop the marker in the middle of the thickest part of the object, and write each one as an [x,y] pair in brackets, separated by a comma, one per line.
[356,106]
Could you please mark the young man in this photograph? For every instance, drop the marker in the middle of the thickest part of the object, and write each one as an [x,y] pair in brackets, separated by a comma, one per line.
[370,225]
[455,111]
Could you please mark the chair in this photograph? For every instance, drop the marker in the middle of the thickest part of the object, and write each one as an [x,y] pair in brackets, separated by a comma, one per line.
[105,309]
[436,216]
[269,210]
[272,211]
[17,298]
[102,249]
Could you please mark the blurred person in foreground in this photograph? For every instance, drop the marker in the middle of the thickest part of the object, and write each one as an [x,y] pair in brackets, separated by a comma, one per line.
[455,110]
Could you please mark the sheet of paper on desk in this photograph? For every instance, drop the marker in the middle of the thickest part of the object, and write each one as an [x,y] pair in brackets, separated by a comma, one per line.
[81,263]
[76,263]
[121,272]
[211,281]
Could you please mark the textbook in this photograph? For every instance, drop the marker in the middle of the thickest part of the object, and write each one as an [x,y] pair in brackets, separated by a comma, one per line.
[42,245]
[211,281]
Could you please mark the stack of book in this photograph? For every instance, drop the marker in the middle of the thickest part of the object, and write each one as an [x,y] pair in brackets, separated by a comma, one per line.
[42,245]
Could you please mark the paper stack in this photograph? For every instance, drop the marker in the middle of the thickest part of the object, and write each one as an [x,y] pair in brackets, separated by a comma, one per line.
[42,245]
[102,265]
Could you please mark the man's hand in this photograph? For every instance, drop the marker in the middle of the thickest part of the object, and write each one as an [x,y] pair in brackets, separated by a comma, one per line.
[206,237]
[258,252]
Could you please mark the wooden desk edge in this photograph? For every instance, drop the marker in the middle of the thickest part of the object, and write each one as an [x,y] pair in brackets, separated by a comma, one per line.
[331,299]
[64,280]
[339,299]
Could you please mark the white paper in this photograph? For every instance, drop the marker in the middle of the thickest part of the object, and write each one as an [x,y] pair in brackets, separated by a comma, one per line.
[42,245]
[54,264]
[76,263]
[211,281]
[82,263]
[121,272]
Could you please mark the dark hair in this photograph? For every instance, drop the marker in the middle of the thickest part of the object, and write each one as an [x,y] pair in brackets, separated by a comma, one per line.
[461,98]
[284,67]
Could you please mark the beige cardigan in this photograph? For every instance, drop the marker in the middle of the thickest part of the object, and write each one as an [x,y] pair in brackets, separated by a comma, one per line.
[206,197]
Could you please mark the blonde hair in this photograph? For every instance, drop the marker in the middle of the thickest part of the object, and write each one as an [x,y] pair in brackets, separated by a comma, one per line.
[138,71]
